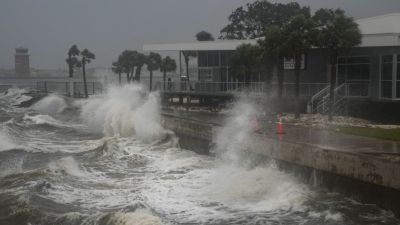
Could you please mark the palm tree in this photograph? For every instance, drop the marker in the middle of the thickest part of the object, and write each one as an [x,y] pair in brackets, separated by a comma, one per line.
[87,56]
[139,60]
[298,33]
[126,60]
[153,62]
[72,62]
[117,68]
[337,33]
[167,65]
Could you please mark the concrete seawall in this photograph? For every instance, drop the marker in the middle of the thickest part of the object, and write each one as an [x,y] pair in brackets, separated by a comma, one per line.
[364,177]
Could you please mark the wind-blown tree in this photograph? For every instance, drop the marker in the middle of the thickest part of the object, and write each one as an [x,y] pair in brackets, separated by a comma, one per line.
[272,54]
[253,20]
[72,62]
[244,61]
[337,33]
[204,36]
[299,35]
[87,57]
[72,59]
[139,60]
[117,69]
[126,60]
[167,65]
[153,62]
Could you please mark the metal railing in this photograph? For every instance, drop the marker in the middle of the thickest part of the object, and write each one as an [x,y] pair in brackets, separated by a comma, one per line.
[306,89]
[319,103]
[63,88]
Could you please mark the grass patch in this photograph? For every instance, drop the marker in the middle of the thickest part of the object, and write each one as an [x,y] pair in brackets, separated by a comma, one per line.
[386,134]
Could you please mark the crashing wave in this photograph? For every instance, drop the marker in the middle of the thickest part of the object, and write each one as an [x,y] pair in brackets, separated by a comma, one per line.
[125,111]
[51,104]
[16,96]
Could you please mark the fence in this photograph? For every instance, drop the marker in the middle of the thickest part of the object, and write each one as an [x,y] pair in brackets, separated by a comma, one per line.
[63,88]
[306,89]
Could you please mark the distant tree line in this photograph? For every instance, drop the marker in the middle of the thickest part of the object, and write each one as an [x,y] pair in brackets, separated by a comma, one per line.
[131,62]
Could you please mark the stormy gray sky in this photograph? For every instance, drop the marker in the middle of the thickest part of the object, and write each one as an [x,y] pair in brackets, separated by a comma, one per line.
[49,27]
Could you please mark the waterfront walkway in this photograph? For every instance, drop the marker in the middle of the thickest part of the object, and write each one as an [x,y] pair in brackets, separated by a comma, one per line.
[322,138]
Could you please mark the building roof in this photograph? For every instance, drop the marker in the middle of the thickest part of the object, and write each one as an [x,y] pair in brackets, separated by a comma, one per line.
[199,45]
[383,30]
[383,24]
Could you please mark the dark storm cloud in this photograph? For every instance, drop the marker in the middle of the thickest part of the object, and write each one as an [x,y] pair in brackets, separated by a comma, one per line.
[49,27]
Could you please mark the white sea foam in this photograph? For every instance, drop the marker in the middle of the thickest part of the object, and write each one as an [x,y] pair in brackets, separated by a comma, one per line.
[6,142]
[17,95]
[51,104]
[261,188]
[125,111]
[67,165]
[140,217]
[45,120]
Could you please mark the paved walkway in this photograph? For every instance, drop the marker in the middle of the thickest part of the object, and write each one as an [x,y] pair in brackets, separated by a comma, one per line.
[319,137]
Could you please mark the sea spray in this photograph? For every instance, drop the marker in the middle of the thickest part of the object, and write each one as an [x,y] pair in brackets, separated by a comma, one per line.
[125,111]
[235,136]
[241,182]
[51,104]
[6,142]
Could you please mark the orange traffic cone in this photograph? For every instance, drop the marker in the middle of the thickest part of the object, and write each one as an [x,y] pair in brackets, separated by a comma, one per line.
[279,126]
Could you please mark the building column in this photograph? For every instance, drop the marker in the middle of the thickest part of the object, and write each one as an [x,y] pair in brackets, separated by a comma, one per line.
[394,76]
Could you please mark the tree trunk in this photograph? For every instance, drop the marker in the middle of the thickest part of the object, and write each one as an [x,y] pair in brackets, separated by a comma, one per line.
[70,67]
[297,85]
[137,73]
[131,78]
[164,77]
[151,80]
[281,77]
[128,80]
[268,79]
[84,78]
[119,79]
[332,87]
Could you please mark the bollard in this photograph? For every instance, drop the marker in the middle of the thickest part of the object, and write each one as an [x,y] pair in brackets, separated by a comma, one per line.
[279,126]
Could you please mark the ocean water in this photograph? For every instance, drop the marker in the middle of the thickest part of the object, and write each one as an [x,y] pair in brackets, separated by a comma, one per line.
[107,160]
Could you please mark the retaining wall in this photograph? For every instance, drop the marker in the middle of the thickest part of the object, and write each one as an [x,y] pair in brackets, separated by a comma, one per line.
[365,178]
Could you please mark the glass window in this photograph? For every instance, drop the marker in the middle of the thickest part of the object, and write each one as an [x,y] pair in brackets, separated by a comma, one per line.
[358,72]
[398,67]
[387,70]
[398,89]
[342,60]
[386,89]
[387,58]
[341,74]
[353,69]
[386,76]
[225,58]
[213,58]
[354,60]
[202,59]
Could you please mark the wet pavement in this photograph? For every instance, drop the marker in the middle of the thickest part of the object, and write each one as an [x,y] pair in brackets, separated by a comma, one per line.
[326,139]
